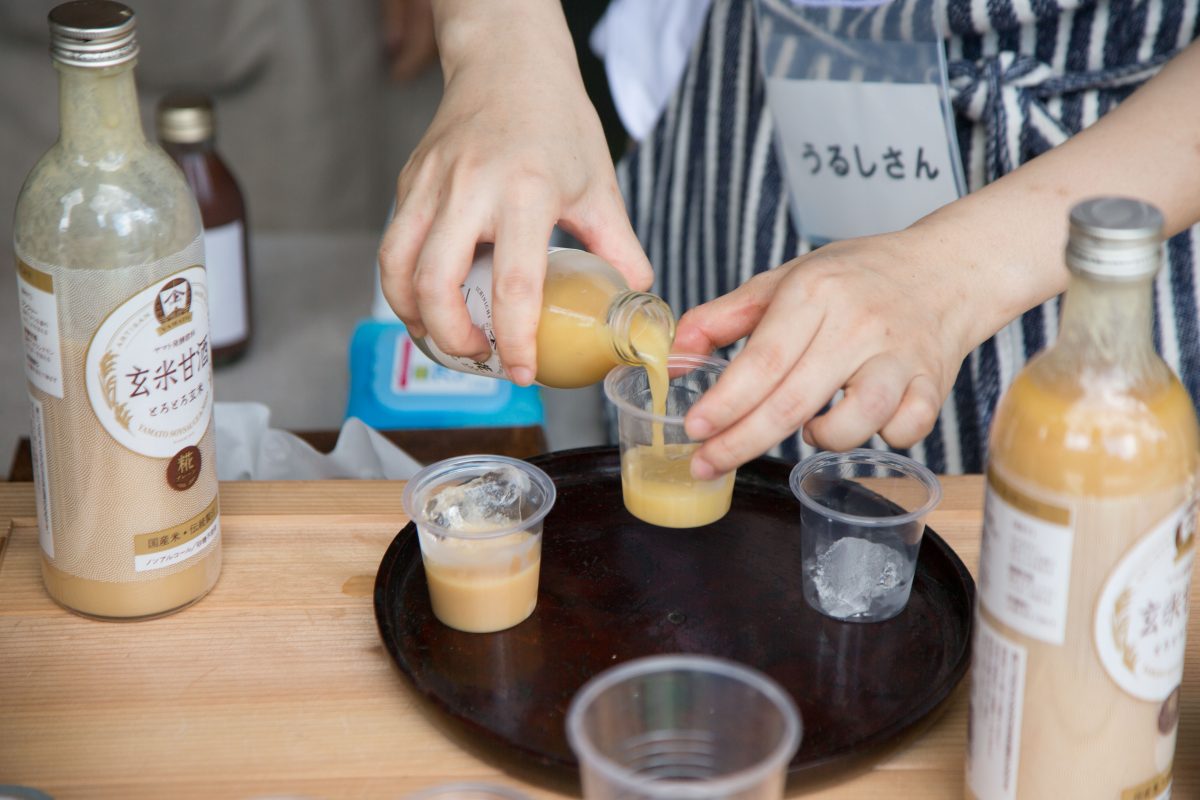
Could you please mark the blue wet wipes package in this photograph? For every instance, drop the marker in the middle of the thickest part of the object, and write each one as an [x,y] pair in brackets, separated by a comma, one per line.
[394,385]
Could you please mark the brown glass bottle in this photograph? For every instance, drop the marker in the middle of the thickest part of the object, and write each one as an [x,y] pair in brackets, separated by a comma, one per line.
[186,130]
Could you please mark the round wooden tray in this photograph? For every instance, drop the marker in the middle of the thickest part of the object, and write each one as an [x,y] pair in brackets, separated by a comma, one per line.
[615,588]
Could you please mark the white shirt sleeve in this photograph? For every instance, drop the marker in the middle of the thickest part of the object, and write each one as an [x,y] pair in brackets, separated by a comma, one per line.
[645,45]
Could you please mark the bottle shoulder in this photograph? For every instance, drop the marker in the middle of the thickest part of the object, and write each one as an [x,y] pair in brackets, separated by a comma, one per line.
[214,184]
[564,263]
[134,207]
[1083,435]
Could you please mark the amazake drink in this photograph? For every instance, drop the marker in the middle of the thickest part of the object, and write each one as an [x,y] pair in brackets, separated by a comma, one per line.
[114,307]
[590,322]
[1088,541]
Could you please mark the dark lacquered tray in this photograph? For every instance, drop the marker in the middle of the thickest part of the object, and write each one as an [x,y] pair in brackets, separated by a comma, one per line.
[615,588]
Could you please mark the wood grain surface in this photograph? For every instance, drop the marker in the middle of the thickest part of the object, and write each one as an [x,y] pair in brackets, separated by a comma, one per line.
[277,684]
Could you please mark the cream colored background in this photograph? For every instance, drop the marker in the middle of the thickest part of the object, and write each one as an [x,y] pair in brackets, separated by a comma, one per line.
[315,133]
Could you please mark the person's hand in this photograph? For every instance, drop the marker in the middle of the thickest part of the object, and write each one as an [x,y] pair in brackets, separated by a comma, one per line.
[408,38]
[867,315]
[515,147]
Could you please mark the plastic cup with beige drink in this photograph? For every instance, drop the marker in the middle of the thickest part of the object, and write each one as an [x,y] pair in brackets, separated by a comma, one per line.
[656,452]
[479,523]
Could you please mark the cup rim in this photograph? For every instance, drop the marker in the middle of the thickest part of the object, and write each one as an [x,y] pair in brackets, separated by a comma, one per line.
[447,466]
[864,455]
[451,790]
[617,374]
[725,786]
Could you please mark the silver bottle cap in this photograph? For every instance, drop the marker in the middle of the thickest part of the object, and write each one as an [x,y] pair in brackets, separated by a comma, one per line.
[1115,238]
[92,33]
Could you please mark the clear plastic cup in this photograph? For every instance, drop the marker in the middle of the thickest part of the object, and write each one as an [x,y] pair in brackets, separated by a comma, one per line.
[656,479]
[682,727]
[482,575]
[859,539]
[468,791]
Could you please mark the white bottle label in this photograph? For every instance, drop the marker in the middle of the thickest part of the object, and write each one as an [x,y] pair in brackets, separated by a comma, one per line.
[41,486]
[1142,615]
[477,294]
[1025,562]
[225,260]
[994,718]
[415,374]
[149,368]
[39,323]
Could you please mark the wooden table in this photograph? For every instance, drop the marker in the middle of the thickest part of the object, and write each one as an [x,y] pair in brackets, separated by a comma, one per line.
[277,682]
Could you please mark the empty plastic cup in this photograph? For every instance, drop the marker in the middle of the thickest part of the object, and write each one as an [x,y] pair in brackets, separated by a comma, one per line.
[656,452]
[683,726]
[479,522]
[862,516]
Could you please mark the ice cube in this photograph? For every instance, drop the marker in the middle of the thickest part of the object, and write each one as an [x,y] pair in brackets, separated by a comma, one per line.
[853,572]
[495,499]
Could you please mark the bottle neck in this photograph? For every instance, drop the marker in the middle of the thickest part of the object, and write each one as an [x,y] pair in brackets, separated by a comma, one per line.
[1107,325]
[639,319]
[98,111]
[185,148]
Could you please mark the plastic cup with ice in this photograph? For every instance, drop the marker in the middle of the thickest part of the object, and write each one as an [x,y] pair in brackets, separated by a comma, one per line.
[479,523]
[862,517]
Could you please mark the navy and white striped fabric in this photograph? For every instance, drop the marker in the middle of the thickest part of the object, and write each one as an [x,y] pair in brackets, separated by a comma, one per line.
[709,201]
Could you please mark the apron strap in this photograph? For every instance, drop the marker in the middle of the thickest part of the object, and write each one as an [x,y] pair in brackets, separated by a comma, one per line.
[1007,94]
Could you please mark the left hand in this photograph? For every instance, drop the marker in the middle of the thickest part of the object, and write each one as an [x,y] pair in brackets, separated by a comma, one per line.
[883,317]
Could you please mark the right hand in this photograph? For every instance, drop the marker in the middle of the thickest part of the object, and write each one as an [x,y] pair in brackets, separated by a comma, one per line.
[515,147]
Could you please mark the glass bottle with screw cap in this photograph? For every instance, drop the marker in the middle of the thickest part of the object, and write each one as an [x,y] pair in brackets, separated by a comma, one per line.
[591,321]
[186,131]
[114,305]
[1088,541]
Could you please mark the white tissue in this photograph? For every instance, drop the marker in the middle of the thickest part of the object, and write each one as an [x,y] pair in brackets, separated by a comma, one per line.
[249,449]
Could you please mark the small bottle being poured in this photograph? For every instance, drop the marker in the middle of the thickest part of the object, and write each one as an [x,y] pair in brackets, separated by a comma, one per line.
[591,321]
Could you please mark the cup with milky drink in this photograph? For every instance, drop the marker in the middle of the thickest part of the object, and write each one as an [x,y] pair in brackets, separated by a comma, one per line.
[479,523]
[656,452]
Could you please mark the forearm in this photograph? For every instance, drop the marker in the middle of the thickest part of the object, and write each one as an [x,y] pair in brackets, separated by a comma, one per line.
[1009,236]
[478,32]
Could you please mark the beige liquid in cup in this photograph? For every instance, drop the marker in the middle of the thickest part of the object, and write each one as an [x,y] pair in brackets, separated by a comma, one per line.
[480,603]
[658,487]
[1073,709]
[656,480]
[483,585]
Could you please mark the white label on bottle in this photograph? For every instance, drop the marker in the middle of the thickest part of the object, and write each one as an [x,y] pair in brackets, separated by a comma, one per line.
[1025,562]
[994,718]
[149,367]
[415,374]
[163,548]
[39,323]
[477,294]
[1142,615]
[225,259]
[41,478]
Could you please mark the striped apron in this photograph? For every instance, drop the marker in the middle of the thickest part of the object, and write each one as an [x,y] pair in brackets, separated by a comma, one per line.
[709,202]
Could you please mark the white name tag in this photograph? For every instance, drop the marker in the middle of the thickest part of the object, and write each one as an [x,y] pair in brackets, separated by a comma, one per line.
[862,158]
